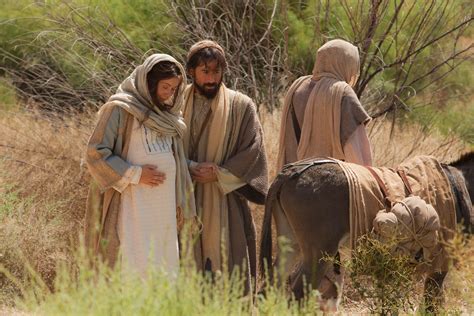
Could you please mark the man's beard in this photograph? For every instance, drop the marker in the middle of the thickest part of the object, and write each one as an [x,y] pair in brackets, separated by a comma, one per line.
[209,91]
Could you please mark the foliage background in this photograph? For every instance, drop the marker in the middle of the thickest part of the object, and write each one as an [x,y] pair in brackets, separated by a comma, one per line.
[71,54]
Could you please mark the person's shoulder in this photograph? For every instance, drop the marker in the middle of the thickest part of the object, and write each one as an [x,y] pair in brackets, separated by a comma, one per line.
[110,109]
[242,97]
[350,97]
[241,100]
[351,105]
[113,111]
[303,80]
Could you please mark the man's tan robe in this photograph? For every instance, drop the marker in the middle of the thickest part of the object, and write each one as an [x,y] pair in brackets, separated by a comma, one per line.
[242,167]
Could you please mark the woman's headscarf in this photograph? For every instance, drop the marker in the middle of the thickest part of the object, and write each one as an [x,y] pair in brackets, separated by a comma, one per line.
[133,96]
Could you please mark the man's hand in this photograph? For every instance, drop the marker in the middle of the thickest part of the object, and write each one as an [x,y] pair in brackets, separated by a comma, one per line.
[204,172]
[151,176]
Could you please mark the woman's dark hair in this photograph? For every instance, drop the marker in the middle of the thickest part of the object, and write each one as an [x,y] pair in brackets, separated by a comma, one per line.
[205,56]
[161,71]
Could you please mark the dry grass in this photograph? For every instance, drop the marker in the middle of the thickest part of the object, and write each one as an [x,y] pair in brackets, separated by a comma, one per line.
[43,187]
[459,286]
[391,146]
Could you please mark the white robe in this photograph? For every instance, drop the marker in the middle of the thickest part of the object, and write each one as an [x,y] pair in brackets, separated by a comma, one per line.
[148,233]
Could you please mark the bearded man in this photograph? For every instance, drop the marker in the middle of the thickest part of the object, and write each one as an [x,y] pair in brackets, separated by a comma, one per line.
[224,144]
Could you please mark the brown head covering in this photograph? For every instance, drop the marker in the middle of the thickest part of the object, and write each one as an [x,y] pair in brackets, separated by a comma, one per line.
[206,44]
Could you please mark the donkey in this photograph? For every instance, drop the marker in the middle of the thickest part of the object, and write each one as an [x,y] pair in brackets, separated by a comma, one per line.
[310,205]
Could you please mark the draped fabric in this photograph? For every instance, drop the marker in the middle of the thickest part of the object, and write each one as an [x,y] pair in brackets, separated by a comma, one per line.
[214,205]
[133,96]
[335,72]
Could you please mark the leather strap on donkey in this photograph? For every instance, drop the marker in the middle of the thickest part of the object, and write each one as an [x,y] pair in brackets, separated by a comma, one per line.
[404,178]
[388,203]
[382,186]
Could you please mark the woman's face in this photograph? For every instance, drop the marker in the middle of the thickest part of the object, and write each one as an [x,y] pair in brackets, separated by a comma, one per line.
[167,87]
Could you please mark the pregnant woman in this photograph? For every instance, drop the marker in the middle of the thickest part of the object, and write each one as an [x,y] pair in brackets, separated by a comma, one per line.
[141,184]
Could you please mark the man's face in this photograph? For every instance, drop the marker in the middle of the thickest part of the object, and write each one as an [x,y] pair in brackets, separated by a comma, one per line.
[207,78]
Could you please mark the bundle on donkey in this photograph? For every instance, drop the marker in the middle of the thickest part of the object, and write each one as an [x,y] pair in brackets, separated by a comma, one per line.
[318,204]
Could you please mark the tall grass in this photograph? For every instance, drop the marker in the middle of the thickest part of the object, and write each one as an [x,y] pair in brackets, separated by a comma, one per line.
[458,284]
[103,291]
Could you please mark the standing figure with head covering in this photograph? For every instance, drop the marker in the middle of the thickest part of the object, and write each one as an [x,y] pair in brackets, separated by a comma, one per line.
[228,164]
[322,117]
[141,183]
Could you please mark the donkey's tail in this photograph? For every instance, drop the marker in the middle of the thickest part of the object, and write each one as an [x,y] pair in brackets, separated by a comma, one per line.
[272,200]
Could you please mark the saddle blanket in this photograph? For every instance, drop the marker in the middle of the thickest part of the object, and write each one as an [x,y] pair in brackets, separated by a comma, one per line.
[427,180]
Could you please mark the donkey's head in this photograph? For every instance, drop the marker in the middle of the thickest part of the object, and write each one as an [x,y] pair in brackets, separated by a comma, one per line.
[462,172]
[465,164]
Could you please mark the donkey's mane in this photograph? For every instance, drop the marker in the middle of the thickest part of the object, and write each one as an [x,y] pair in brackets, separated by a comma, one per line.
[464,158]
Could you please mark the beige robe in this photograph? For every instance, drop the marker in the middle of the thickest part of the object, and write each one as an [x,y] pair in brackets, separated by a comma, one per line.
[232,138]
[103,206]
[326,110]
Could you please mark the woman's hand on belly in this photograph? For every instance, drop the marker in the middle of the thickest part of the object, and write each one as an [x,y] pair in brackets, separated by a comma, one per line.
[151,176]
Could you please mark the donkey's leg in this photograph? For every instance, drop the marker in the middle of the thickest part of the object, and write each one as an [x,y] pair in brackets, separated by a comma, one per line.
[316,268]
[328,276]
[288,248]
[332,284]
[301,277]
[316,271]
[433,293]
[316,205]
